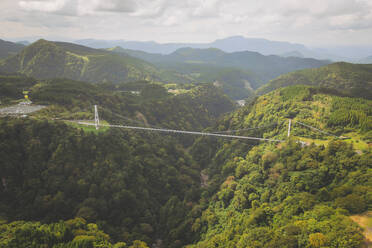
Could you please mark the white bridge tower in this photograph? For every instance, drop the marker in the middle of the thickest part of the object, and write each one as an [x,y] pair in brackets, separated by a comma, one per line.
[96,118]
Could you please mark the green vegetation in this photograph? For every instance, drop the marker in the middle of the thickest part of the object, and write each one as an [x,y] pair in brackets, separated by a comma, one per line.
[12,86]
[340,116]
[8,49]
[236,83]
[264,67]
[238,74]
[65,185]
[134,186]
[71,233]
[348,79]
[44,59]
[66,99]
[287,195]
[86,128]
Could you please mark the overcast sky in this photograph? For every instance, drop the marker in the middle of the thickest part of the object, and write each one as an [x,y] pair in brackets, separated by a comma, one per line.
[310,22]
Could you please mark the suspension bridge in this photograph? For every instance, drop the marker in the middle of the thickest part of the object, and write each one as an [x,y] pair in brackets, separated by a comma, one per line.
[221,134]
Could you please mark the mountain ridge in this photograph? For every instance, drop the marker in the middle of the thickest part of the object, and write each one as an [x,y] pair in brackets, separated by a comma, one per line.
[8,48]
[45,59]
[350,79]
[265,67]
[229,44]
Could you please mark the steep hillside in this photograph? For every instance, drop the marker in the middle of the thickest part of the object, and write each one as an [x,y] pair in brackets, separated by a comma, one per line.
[71,233]
[288,194]
[318,107]
[129,183]
[44,59]
[8,48]
[196,109]
[167,190]
[132,185]
[349,79]
[12,86]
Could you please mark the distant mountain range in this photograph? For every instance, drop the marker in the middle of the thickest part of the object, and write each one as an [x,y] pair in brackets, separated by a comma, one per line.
[347,53]
[230,44]
[292,54]
[366,60]
[264,67]
[238,74]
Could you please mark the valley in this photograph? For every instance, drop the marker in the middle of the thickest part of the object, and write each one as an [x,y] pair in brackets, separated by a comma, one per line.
[174,161]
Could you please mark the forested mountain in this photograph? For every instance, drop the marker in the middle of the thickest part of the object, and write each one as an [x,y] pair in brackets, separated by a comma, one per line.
[238,74]
[67,185]
[70,233]
[264,67]
[8,48]
[133,185]
[288,194]
[197,108]
[146,186]
[236,83]
[349,79]
[45,59]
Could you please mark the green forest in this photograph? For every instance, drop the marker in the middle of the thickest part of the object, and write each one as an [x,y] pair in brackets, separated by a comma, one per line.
[237,74]
[348,79]
[63,184]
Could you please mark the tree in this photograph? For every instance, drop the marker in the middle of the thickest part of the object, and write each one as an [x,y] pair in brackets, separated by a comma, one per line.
[138,244]
[317,240]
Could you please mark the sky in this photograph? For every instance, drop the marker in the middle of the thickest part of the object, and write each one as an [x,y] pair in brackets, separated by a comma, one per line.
[313,23]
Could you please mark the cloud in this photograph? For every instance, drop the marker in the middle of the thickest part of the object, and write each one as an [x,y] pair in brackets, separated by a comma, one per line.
[151,9]
[116,6]
[206,8]
[300,20]
[59,7]
[96,6]
[78,7]
[162,9]
[39,21]
[47,6]
[350,22]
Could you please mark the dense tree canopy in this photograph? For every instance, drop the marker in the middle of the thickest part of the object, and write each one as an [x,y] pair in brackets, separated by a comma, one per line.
[63,185]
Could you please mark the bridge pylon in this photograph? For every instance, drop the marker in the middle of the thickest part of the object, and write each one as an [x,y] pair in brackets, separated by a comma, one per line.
[96,117]
[289,128]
